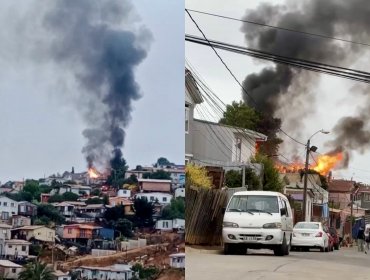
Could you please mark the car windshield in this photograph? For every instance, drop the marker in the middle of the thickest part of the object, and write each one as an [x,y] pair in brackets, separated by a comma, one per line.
[253,203]
[307,225]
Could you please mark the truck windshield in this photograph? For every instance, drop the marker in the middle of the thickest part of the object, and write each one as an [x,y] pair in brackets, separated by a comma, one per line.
[253,203]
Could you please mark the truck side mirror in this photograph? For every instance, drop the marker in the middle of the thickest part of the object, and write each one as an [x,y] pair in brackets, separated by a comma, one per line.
[283,211]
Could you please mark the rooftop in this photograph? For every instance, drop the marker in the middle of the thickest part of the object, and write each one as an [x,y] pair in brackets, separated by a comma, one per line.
[31,227]
[178,255]
[344,186]
[155,180]
[115,268]
[17,241]
[6,263]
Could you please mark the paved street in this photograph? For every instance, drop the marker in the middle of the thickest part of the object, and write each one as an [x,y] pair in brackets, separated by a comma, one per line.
[211,264]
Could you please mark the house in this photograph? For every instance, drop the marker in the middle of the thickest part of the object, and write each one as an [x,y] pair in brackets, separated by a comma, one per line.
[5,232]
[124,193]
[116,271]
[15,248]
[20,221]
[77,189]
[34,233]
[65,208]
[210,143]
[155,185]
[92,210]
[161,198]
[317,198]
[60,275]
[180,192]
[27,209]
[177,260]
[340,192]
[362,196]
[8,208]
[169,225]
[115,201]
[9,270]
[82,232]
[44,197]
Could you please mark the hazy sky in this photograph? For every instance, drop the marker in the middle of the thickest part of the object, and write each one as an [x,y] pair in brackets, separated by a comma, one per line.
[41,121]
[332,95]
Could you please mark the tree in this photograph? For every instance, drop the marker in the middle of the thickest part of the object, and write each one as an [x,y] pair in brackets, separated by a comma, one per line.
[176,210]
[144,273]
[106,200]
[95,192]
[20,196]
[70,196]
[119,168]
[33,188]
[162,161]
[55,198]
[241,115]
[94,200]
[47,212]
[132,180]
[114,213]
[271,178]
[234,179]
[159,174]
[36,271]
[124,226]
[197,176]
[144,211]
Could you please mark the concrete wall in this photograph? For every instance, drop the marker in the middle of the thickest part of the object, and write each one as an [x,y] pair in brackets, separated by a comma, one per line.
[133,244]
[98,252]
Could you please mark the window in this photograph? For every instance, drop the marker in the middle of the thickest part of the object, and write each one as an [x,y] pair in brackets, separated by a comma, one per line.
[152,198]
[286,207]
[367,196]
[164,199]
[12,204]
[10,246]
[186,119]
[14,270]
[24,248]
[5,203]
[69,230]
[253,203]
[5,215]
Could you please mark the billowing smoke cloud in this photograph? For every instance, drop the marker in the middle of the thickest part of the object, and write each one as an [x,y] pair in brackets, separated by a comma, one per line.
[95,41]
[277,87]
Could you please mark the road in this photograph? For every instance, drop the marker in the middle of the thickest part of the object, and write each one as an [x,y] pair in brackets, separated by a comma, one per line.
[211,264]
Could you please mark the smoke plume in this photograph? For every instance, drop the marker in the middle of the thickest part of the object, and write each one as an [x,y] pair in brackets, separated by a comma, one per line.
[277,87]
[95,41]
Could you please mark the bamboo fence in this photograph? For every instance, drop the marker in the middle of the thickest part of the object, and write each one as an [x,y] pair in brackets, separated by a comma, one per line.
[203,215]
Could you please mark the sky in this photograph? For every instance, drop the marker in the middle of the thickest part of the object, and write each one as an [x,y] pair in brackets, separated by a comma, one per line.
[332,99]
[42,118]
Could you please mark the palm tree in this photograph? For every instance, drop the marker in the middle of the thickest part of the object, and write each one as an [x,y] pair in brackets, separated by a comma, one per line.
[36,271]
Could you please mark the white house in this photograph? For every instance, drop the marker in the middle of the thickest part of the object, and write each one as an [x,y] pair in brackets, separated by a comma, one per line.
[116,271]
[20,221]
[177,260]
[15,248]
[9,270]
[5,231]
[65,208]
[169,225]
[8,208]
[180,192]
[124,193]
[77,189]
[60,275]
[162,198]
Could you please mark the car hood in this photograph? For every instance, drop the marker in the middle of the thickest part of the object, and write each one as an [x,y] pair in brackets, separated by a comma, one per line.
[247,220]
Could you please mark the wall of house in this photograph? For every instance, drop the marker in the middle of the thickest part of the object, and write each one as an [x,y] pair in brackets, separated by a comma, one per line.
[365,200]
[156,186]
[188,136]
[70,232]
[11,249]
[44,234]
[164,225]
[8,206]
[177,262]
[342,199]
[102,275]
[5,233]
[10,272]
[162,198]
[180,192]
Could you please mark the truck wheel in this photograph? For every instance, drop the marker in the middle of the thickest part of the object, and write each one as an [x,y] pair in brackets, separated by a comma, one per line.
[281,249]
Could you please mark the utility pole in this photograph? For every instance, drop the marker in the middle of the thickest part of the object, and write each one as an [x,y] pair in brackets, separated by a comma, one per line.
[351,216]
[243,180]
[305,181]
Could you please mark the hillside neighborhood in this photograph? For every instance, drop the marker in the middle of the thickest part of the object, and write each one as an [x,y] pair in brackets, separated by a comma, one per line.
[129,225]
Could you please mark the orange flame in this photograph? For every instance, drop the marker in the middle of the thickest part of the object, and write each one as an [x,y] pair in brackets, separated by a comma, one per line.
[93,173]
[325,163]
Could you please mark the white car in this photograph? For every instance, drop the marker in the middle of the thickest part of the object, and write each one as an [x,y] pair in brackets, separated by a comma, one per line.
[307,235]
[257,220]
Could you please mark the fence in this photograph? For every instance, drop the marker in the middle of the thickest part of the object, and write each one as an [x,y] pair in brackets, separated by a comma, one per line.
[100,253]
[203,215]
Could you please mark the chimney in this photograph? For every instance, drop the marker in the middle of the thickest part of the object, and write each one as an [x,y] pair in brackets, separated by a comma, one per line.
[329,177]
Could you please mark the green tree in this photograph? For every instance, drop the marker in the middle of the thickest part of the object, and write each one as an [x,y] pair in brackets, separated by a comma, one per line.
[114,213]
[96,192]
[20,196]
[234,179]
[144,211]
[55,198]
[144,273]
[94,200]
[175,210]
[70,196]
[119,168]
[271,178]
[106,200]
[162,161]
[159,174]
[132,180]
[32,187]
[36,271]
[49,212]
[241,115]
[124,226]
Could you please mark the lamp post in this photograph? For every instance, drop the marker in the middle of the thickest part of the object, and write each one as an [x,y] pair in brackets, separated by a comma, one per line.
[308,150]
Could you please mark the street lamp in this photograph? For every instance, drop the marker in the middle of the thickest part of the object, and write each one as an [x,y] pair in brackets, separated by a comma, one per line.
[308,150]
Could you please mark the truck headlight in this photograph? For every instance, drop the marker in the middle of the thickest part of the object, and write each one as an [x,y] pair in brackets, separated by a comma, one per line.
[272,225]
[229,224]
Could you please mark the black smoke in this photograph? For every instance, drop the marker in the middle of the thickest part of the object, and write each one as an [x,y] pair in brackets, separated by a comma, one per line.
[276,88]
[95,41]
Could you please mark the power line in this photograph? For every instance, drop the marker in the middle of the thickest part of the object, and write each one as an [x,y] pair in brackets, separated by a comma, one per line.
[280,28]
[223,62]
